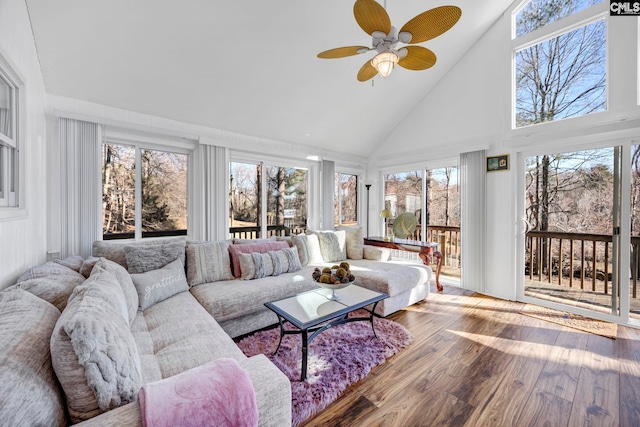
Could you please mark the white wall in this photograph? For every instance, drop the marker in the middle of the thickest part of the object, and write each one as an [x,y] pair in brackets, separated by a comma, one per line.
[23,240]
[469,110]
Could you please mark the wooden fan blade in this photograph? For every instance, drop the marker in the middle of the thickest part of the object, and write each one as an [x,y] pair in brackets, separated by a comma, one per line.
[371,16]
[432,23]
[367,72]
[341,52]
[418,58]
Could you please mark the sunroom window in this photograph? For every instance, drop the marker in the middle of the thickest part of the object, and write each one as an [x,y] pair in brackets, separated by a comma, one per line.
[8,140]
[560,71]
[346,199]
[149,200]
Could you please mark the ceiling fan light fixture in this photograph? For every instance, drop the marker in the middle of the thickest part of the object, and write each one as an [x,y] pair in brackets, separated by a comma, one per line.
[384,62]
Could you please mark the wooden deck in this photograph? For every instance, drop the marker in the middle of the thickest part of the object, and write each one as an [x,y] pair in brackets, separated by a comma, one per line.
[476,361]
[596,300]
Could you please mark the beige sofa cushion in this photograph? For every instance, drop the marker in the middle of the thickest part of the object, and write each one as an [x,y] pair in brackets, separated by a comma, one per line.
[93,351]
[29,392]
[50,281]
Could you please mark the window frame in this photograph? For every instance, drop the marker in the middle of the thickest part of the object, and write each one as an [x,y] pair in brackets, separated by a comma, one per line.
[151,143]
[266,161]
[552,30]
[11,162]
[338,196]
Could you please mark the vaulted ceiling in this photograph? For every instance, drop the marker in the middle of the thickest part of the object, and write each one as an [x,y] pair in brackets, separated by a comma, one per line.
[244,66]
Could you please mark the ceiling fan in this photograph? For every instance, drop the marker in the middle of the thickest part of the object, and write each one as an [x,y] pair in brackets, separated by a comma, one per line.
[375,21]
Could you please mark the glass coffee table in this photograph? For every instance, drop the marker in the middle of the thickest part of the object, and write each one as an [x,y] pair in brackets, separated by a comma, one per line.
[313,312]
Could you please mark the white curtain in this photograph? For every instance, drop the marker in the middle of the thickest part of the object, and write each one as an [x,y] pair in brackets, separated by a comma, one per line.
[81,192]
[328,196]
[211,202]
[473,220]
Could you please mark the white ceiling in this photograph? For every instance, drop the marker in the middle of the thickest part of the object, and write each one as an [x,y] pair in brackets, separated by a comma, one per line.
[244,66]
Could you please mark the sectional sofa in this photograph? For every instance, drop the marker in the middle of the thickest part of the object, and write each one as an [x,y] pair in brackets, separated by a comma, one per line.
[81,337]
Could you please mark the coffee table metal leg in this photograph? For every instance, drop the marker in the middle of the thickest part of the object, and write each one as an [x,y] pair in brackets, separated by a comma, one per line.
[281,333]
[305,349]
[373,310]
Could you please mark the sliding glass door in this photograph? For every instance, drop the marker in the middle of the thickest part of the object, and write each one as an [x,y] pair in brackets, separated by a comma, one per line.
[575,229]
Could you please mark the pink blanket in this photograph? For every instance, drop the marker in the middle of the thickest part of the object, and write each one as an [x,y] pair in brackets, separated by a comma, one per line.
[219,394]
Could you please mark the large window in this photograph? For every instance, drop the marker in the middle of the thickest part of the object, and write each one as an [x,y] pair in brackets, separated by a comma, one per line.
[8,139]
[346,199]
[559,74]
[285,211]
[145,201]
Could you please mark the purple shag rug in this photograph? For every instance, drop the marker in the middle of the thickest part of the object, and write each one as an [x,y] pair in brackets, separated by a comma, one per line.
[338,357]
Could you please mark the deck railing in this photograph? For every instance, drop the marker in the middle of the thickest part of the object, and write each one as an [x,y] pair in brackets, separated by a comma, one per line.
[576,259]
[253,232]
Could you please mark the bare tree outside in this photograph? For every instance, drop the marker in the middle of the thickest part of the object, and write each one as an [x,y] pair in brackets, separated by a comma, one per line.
[346,199]
[564,76]
[286,194]
[163,181]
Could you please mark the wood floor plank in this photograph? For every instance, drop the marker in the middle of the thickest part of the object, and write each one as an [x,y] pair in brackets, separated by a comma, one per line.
[564,363]
[476,361]
[596,402]
[504,405]
[482,377]
[629,358]
[544,409]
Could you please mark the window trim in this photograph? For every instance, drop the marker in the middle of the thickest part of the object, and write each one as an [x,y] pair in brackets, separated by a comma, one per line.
[557,28]
[12,205]
[237,156]
[152,142]
[359,184]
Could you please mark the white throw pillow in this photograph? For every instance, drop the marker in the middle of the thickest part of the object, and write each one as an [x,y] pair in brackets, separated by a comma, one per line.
[158,285]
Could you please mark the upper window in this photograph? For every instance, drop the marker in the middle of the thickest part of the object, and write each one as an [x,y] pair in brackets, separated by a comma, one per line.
[538,13]
[8,139]
[561,73]
[346,199]
[147,201]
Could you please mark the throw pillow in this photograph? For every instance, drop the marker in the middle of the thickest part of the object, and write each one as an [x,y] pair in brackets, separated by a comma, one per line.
[247,248]
[29,388]
[73,262]
[313,244]
[93,351]
[301,242]
[158,285]
[257,265]
[332,245]
[51,282]
[124,279]
[208,262]
[354,242]
[143,258]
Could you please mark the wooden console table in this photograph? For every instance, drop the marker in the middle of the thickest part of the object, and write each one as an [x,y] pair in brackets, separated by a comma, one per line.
[425,250]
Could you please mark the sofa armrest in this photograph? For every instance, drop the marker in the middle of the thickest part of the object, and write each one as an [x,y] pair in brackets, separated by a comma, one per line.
[273,395]
[273,391]
[376,253]
[128,415]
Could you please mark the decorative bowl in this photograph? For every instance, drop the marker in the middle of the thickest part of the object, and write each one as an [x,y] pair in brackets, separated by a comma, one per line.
[334,287]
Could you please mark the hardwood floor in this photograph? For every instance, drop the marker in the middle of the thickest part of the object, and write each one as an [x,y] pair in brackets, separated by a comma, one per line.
[475,361]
